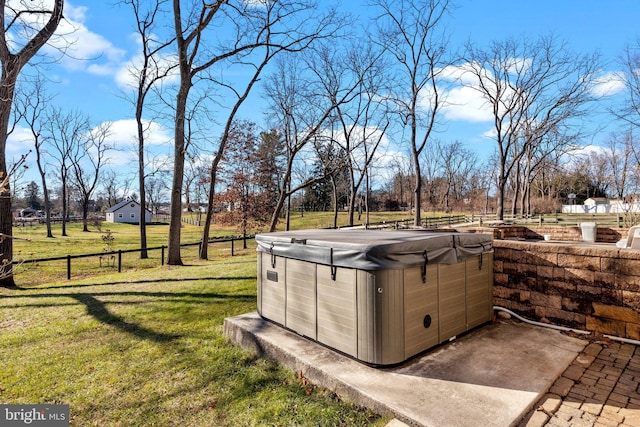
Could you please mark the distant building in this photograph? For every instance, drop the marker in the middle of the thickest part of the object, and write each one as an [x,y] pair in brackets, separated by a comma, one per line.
[597,205]
[127,211]
[603,205]
[27,213]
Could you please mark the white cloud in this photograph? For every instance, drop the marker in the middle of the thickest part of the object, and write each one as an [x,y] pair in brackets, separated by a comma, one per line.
[127,74]
[19,142]
[590,150]
[460,73]
[462,100]
[580,154]
[465,103]
[608,84]
[123,137]
[123,134]
[84,50]
[490,134]
[256,3]
[518,66]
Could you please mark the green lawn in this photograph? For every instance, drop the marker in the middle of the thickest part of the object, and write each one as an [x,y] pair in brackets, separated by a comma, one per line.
[145,347]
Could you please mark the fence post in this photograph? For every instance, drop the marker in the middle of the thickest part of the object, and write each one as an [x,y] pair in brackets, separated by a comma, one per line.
[232,240]
[162,255]
[119,261]
[68,267]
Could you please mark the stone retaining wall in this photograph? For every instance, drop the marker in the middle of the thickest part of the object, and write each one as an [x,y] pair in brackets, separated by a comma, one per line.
[564,233]
[595,287]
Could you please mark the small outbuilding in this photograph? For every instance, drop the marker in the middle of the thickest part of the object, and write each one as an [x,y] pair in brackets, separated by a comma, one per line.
[597,204]
[127,211]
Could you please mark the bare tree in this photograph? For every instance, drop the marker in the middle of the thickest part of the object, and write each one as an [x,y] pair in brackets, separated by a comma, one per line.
[19,32]
[630,61]
[458,165]
[157,190]
[303,106]
[87,163]
[621,153]
[532,89]
[479,187]
[400,185]
[33,103]
[363,121]
[152,68]
[274,28]
[330,164]
[539,157]
[629,111]
[64,133]
[111,187]
[410,31]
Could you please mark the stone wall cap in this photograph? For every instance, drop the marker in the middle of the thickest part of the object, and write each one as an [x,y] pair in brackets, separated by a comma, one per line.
[574,248]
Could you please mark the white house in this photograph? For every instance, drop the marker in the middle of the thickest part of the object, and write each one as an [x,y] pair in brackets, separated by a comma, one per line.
[603,205]
[126,211]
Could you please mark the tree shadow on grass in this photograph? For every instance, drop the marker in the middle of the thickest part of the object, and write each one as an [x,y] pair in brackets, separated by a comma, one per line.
[205,297]
[97,309]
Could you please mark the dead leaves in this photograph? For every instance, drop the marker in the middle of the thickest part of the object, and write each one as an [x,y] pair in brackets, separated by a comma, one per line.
[304,382]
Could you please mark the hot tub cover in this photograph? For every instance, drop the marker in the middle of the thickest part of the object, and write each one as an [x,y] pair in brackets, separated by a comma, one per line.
[374,249]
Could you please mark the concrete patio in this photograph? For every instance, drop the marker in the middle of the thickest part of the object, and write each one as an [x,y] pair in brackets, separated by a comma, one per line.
[491,376]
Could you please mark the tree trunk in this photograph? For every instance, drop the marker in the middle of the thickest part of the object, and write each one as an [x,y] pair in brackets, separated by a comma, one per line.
[141,179]
[175,222]
[208,219]
[502,184]
[366,195]
[11,66]
[352,206]
[288,214]
[6,242]
[65,205]
[285,193]
[85,214]
[334,196]
[276,213]
[9,76]
[516,192]
[417,192]
[45,192]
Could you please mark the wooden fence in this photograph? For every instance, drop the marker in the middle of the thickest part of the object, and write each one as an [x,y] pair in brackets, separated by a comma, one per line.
[116,256]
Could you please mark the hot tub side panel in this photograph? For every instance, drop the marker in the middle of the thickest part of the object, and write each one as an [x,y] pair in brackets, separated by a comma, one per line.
[479,294]
[300,288]
[421,310]
[337,309]
[451,300]
[272,288]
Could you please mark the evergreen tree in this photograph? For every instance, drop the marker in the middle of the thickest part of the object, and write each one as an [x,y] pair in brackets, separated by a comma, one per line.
[32,196]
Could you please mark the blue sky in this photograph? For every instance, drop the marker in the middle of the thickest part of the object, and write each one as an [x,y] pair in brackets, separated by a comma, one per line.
[104,37]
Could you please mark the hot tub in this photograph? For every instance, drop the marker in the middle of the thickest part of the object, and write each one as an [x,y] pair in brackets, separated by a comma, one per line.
[378,296]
